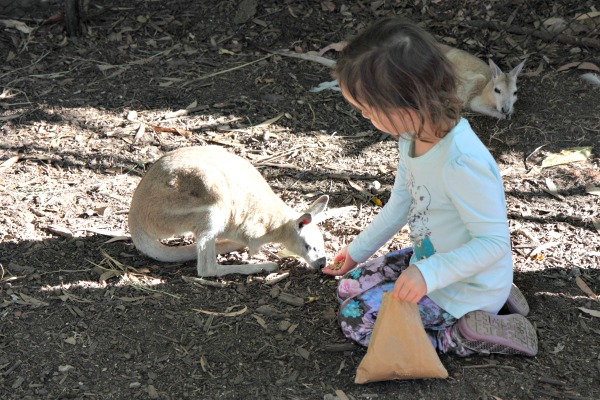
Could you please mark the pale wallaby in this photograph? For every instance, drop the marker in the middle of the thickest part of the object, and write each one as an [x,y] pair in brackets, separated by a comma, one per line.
[484,89]
[226,204]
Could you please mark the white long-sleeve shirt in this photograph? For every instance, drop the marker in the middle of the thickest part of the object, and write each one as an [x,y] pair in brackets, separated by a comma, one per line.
[453,200]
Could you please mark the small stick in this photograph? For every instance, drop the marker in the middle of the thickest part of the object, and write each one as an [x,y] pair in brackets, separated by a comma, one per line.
[224,71]
[489,366]
[303,56]
[204,282]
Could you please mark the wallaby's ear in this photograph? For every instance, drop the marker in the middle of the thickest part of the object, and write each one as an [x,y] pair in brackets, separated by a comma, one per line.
[318,206]
[517,70]
[303,220]
[496,71]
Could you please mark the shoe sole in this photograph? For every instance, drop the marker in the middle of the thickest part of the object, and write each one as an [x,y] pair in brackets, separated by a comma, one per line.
[504,334]
[516,302]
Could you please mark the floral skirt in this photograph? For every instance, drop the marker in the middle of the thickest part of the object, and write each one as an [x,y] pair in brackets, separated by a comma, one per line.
[360,293]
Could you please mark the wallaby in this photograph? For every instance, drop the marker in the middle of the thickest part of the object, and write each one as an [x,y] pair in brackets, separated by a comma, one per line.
[226,204]
[482,89]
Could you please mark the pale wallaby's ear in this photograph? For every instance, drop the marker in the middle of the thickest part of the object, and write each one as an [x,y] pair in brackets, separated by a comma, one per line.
[318,206]
[517,70]
[303,220]
[496,71]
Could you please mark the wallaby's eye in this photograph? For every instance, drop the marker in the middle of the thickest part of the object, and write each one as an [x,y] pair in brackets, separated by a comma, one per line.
[515,93]
[497,90]
[307,247]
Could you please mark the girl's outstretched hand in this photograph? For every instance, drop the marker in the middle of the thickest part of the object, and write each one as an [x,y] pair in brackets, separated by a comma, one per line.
[342,263]
[410,286]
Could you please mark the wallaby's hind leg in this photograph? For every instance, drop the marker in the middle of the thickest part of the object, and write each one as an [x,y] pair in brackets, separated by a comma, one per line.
[208,266]
[207,256]
[207,259]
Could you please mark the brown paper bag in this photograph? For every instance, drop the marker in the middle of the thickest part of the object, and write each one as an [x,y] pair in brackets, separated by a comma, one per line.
[399,347]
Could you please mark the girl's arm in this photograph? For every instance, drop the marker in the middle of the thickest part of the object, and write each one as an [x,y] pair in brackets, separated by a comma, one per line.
[387,223]
[476,190]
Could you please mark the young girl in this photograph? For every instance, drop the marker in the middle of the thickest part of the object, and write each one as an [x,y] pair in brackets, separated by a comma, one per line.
[449,190]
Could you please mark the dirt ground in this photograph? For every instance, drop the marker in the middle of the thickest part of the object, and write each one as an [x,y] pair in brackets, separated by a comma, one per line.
[84,315]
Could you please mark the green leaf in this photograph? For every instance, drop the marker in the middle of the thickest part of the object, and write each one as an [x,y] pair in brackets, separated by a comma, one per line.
[567,156]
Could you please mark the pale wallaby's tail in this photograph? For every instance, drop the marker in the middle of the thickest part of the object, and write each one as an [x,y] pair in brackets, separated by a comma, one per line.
[153,248]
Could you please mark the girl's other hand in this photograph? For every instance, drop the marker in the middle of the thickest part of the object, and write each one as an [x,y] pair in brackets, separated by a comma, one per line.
[342,257]
[410,285]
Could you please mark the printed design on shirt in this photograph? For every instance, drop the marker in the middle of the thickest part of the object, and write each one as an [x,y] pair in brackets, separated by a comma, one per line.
[418,213]
[423,249]
[418,219]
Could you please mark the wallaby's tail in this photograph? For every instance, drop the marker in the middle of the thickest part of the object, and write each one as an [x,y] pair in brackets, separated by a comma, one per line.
[153,248]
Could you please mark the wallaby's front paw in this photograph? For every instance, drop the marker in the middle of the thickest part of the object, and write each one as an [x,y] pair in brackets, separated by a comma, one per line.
[498,115]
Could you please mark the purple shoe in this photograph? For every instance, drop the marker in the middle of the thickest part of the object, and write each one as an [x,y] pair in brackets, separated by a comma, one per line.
[516,302]
[503,334]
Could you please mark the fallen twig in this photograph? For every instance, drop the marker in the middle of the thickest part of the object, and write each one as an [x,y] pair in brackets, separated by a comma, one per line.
[224,71]
[204,282]
[303,56]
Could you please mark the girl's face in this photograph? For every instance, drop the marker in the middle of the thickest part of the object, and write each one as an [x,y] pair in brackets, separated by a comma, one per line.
[391,123]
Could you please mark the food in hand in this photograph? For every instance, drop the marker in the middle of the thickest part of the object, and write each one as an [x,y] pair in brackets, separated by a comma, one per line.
[336,265]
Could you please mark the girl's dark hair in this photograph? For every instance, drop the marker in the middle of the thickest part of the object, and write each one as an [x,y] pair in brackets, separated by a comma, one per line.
[396,64]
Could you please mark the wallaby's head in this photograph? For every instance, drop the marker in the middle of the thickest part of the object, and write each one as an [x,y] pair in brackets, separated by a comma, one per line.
[505,87]
[308,241]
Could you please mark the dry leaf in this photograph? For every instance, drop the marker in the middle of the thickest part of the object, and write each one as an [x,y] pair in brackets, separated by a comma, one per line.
[18,25]
[538,71]
[123,238]
[593,313]
[268,122]
[9,117]
[339,46]
[588,66]
[589,188]
[579,65]
[71,340]
[31,301]
[328,5]
[106,275]
[341,395]
[585,288]
[140,132]
[568,66]
[356,186]
[555,24]
[260,321]
[8,163]
[60,230]
[552,189]
[538,250]
[588,15]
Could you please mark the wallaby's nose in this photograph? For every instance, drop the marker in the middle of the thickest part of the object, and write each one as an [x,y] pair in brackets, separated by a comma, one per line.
[320,263]
[504,110]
